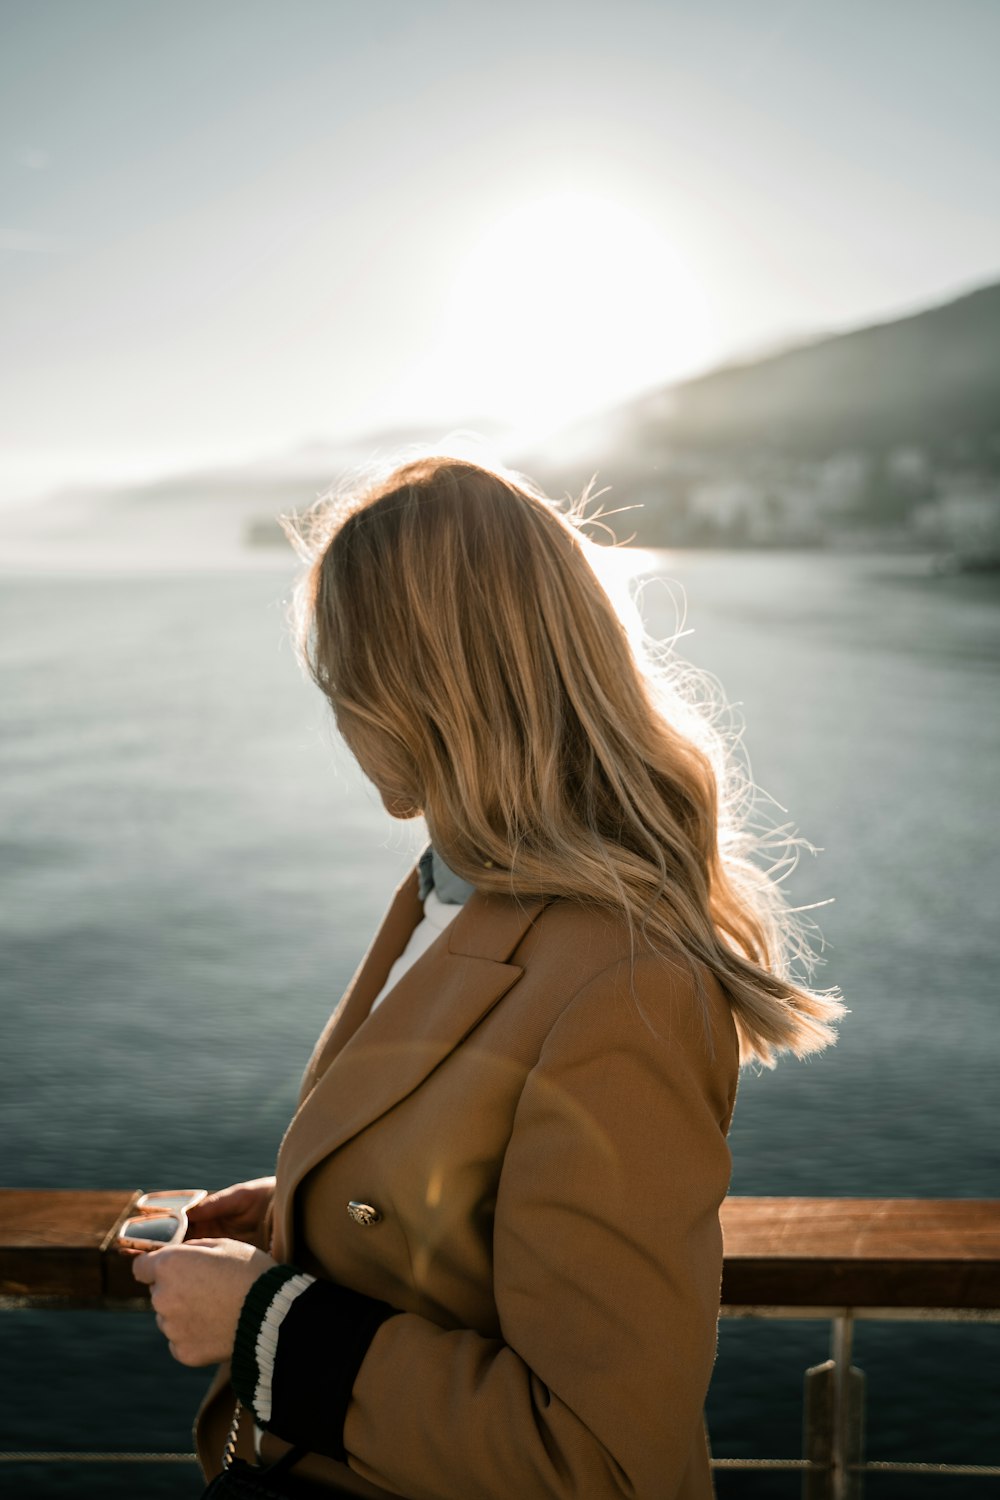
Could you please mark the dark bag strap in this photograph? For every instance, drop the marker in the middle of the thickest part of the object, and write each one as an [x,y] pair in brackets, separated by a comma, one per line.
[242,1481]
[284,1463]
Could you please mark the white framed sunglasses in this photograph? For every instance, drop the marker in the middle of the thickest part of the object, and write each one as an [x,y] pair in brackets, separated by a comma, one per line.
[160,1218]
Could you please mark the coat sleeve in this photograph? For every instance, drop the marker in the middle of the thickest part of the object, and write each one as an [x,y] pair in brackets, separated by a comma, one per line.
[608,1260]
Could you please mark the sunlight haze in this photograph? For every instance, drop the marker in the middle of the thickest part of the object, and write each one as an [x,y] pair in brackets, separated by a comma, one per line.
[231,229]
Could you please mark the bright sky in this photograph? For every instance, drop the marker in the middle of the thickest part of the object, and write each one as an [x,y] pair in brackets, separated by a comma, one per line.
[228,228]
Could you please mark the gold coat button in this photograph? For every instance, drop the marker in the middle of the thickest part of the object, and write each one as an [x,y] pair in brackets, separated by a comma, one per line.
[363,1213]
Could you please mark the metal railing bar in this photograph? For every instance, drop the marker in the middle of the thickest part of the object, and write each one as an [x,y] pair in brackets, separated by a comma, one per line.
[984,1471]
[98,1458]
[841,1339]
[24,1302]
[737,1310]
[733,1310]
[764,1463]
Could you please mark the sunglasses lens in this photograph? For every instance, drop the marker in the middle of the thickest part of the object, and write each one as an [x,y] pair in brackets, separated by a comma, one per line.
[154,1231]
[170,1201]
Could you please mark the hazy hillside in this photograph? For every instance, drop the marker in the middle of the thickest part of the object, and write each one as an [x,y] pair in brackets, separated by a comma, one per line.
[205,519]
[885,436]
[933,379]
[870,429]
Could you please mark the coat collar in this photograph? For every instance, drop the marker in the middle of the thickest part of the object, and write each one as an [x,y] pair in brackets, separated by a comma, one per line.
[405,911]
[360,1071]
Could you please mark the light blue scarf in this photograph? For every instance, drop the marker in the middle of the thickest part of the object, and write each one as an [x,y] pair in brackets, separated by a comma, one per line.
[434,875]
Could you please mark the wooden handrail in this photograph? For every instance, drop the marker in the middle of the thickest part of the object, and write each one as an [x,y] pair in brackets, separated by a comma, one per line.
[862,1252]
[58,1247]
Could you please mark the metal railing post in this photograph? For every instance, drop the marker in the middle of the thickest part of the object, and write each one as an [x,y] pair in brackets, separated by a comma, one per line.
[834,1421]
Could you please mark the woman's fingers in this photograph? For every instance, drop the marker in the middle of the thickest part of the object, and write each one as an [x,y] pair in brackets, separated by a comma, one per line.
[244,1203]
[199,1289]
[236,1212]
[217,1205]
[223,1213]
[142,1267]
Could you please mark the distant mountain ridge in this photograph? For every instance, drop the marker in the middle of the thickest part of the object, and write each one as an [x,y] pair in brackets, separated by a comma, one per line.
[883,435]
[871,423]
[926,378]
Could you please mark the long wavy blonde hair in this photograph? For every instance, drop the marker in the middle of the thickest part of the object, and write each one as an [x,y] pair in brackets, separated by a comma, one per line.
[478,669]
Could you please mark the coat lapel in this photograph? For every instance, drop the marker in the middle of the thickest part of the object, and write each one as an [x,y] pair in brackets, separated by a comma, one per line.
[363,1070]
[405,911]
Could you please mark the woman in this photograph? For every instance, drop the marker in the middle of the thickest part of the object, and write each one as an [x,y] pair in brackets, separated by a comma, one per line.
[493,1247]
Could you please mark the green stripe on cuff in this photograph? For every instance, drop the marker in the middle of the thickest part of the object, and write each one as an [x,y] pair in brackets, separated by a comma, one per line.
[252,1314]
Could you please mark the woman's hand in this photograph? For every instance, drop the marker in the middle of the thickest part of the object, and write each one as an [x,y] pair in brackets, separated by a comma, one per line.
[234,1213]
[197,1291]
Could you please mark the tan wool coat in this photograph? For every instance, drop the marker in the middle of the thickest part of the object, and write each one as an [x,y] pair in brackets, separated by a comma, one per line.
[540,1123]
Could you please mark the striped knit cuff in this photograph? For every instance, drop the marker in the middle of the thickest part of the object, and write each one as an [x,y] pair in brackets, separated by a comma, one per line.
[256,1343]
[324,1338]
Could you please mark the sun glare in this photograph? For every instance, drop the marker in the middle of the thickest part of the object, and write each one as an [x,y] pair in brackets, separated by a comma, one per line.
[567,303]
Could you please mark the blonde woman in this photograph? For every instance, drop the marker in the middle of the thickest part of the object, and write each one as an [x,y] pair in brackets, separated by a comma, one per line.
[493,1252]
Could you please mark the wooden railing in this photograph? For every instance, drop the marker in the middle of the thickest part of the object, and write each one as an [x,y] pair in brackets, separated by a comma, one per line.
[839,1259]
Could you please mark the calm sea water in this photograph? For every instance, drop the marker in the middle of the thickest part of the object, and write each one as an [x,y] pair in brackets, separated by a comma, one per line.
[191,867]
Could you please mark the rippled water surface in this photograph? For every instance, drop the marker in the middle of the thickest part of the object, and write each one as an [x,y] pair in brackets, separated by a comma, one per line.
[191,868]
